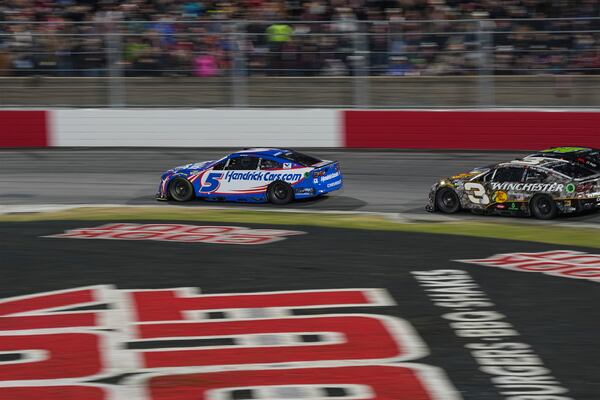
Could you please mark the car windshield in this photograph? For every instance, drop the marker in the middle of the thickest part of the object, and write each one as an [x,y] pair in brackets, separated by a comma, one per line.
[300,158]
[571,170]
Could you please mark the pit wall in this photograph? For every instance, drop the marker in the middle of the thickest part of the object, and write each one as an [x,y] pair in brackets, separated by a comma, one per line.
[492,129]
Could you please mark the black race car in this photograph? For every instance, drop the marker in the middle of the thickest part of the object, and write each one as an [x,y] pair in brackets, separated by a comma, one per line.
[560,180]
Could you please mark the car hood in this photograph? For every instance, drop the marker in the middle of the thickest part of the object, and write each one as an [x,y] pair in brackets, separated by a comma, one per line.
[191,168]
[466,176]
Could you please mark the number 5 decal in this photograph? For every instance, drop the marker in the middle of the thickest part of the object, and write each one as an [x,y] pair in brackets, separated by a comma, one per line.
[476,193]
[212,182]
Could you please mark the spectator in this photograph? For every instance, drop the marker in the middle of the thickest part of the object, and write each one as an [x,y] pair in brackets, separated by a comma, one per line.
[334,67]
[5,63]
[279,34]
[192,9]
[399,66]
[205,65]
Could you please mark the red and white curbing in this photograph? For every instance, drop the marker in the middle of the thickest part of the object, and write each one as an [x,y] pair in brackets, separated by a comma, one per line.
[491,129]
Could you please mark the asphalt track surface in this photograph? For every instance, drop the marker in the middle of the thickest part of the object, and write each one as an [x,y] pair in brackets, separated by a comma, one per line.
[558,317]
[392,181]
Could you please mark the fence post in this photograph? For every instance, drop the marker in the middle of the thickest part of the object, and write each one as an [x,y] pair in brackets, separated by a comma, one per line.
[485,67]
[113,50]
[239,95]
[360,67]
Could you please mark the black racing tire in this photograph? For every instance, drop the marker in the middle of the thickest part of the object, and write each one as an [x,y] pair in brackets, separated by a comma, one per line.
[447,201]
[180,189]
[543,207]
[280,193]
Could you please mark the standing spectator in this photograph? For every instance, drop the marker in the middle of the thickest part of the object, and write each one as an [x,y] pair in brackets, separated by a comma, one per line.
[5,63]
[277,35]
[399,66]
[378,48]
[205,65]
[163,26]
[192,9]
[149,62]
[334,67]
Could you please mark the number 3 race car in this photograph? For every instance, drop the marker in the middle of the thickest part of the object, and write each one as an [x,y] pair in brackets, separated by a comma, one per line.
[253,175]
[556,181]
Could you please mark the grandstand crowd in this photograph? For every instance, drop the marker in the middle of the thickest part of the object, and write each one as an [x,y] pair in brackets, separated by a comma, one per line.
[207,38]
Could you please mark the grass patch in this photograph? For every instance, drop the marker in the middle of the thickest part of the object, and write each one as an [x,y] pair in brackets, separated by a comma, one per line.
[553,234]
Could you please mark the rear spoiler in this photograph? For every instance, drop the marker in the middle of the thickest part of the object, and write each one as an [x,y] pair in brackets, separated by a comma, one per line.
[588,179]
[323,163]
[322,168]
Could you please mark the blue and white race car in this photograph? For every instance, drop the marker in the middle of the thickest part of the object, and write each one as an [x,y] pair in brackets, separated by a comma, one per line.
[253,175]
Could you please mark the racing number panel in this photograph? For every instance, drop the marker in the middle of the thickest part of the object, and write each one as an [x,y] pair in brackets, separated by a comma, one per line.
[480,191]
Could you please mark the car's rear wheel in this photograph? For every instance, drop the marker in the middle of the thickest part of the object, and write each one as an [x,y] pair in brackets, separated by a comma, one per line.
[543,207]
[181,189]
[447,201]
[280,193]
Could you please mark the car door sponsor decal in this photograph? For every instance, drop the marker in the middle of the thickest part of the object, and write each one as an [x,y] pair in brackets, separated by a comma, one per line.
[246,182]
[528,187]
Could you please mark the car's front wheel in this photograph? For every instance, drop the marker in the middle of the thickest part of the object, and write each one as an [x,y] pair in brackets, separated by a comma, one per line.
[543,207]
[181,189]
[447,201]
[280,193]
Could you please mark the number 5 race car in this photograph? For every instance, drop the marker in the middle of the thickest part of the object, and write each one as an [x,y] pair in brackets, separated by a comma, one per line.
[556,181]
[253,175]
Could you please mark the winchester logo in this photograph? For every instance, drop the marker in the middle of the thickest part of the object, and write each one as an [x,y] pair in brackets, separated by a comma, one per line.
[528,187]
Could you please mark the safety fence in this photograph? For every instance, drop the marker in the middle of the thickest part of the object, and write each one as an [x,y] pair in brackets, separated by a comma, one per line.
[343,62]
[320,92]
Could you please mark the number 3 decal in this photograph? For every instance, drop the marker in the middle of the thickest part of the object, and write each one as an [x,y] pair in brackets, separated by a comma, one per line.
[476,193]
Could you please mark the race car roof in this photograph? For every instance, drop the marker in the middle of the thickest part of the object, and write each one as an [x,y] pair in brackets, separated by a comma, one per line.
[262,151]
[535,160]
[581,155]
[568,168]
[566,150]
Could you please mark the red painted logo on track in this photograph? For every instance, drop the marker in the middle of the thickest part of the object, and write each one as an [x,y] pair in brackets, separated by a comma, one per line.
[176,344]
[564,263]
[180,233]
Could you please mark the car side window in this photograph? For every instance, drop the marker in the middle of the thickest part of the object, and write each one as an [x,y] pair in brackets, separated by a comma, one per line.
[487,177]
[535,176]
[509,174]
[244,163]
[266,163]
[219,166]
